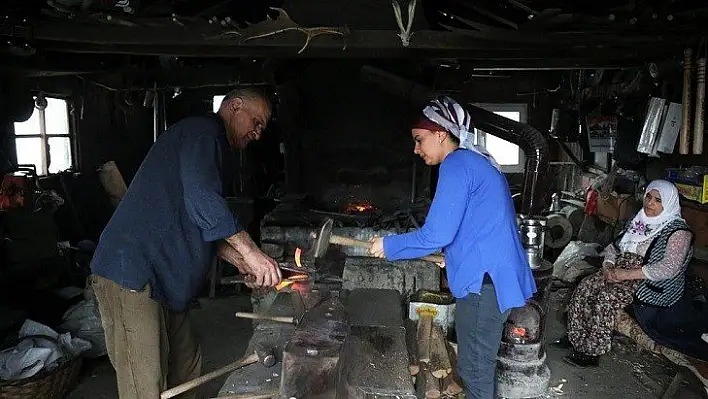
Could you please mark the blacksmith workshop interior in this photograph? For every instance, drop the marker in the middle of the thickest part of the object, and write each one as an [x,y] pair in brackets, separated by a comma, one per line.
[583,104]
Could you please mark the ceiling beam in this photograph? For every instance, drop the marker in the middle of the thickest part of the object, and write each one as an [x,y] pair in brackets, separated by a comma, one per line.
[527,50]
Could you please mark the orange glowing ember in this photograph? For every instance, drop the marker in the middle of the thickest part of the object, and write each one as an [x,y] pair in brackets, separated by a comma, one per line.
[287,282]
[519,332]
[359,207]
[283,284]
[298,252]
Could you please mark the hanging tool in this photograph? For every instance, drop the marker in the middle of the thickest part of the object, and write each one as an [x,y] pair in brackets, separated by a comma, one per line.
[688,67]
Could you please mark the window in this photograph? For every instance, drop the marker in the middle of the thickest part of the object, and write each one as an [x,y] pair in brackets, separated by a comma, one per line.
[44,139]
[507,154]
[216,103]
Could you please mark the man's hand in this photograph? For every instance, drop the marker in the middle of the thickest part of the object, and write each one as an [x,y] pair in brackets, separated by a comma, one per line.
[263,268]
[260,269]
[376,247]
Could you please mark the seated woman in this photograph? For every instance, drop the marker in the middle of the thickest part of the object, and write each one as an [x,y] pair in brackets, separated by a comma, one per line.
[646,264]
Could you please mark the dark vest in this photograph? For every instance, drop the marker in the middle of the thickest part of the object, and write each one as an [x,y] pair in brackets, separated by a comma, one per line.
[667,292]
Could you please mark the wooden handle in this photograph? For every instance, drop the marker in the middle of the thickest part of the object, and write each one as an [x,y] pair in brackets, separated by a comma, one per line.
[189,385]
[265,395]
[687,102]
[353,242]
[698,120]
[349,242]
[279,319]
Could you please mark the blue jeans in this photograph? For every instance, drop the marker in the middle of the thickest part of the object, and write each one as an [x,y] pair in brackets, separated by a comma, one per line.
[479,325]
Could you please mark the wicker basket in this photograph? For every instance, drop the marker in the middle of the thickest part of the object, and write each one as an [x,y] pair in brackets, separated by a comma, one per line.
[53,384]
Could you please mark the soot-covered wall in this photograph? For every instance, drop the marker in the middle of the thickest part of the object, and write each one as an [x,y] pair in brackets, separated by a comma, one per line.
[112,126]
[353,141]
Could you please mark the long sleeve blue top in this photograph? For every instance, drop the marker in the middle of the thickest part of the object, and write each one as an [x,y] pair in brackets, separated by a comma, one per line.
[472,218]
[163,230]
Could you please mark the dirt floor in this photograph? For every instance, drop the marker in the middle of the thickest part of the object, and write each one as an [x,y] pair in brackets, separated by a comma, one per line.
[625,373]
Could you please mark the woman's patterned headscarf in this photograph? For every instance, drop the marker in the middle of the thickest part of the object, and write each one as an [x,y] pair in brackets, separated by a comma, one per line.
[450,115]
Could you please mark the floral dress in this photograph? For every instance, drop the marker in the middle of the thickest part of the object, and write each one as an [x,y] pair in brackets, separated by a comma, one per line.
[591,314]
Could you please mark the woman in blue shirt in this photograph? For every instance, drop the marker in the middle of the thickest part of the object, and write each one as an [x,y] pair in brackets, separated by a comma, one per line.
[472,218]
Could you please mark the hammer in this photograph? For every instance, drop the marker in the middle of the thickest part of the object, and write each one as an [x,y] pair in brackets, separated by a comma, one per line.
[324,237]
[263,353]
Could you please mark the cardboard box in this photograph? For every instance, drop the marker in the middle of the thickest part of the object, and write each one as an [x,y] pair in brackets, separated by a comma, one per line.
[616,207]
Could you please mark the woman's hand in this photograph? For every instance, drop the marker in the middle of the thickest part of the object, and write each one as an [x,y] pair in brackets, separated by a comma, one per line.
[619,275]
[611,275]
[376,247]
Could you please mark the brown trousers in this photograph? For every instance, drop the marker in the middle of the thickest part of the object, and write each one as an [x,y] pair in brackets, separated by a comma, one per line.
[151,348]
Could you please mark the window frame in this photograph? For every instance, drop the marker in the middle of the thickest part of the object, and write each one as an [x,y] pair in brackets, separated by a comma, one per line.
[522,109]
[44,136]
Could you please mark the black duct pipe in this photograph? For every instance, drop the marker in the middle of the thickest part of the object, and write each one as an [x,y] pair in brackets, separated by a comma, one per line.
[534,145]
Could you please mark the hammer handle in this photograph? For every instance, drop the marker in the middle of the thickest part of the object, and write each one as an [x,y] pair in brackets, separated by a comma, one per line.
[352,242]
[280,319]
[189,385]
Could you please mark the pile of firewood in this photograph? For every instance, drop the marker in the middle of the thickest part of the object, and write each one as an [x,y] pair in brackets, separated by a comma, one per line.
[433,360]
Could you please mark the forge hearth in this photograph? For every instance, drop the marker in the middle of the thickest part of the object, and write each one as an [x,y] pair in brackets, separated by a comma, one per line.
[289,227]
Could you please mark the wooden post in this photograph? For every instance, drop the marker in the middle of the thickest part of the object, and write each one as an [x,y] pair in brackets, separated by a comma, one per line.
[685,136]
[411,344]
[427,386]
[700,107]
[425,324]
[439,360]
[452,385]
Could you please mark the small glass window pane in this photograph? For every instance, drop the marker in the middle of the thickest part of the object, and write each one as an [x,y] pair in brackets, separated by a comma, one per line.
[216,102]
[30,126]
[57,115]
[29,151]
[59,154]
[504,152]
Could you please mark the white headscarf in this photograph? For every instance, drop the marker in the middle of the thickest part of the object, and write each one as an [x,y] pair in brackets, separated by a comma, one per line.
[643,227]
[449,114]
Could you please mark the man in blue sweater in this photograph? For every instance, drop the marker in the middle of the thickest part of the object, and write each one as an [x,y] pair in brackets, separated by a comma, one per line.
[154,254]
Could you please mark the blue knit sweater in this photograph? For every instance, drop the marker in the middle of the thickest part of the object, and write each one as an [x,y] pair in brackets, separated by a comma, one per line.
[472,218]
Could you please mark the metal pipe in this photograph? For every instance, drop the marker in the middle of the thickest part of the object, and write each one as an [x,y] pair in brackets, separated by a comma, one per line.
[700,110]
[534,145]
[684,142]
[155,116]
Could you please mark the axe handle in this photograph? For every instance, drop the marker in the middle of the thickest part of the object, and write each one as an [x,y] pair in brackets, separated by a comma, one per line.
[352,242]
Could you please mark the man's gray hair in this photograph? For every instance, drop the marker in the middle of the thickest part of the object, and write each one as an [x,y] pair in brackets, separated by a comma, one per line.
[248,93]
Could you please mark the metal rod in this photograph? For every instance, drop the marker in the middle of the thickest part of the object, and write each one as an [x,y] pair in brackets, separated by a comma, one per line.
[155,117]
[44,141]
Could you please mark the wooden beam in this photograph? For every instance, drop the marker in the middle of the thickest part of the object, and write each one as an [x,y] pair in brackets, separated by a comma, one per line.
[423,39]
[487,59]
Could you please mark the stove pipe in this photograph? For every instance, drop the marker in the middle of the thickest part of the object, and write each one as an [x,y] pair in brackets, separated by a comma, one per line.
[530,140]
[535,148]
